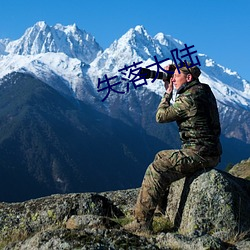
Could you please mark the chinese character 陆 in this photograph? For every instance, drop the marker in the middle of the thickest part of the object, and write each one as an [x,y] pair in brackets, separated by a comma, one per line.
[181,63]
[189,55]
[175,56]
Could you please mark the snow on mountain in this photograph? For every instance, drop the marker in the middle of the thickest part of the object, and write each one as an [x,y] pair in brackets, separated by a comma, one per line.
[168,42]
[136,45]
[228,87]
[73,55]
[70,60]
[3,43]
[231,91]
[57,55]
[42,38]
[63,73]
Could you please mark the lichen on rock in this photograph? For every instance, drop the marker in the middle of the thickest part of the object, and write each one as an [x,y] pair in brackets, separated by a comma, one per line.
[211,202]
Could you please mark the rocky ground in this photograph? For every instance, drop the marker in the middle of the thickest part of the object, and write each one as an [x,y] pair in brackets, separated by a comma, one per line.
[208,211]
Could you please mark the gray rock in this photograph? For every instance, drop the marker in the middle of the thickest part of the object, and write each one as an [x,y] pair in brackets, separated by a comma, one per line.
[210,210]
[20,220]
[90,221]
[95,239]
[212,202]
[124,199]
[243,245]
[178,241]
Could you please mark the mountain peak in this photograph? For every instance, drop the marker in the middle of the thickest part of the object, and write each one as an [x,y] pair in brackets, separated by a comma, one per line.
[41,24]
[42,38]
[169,41]
[136,44]
[140,29]
[69,28]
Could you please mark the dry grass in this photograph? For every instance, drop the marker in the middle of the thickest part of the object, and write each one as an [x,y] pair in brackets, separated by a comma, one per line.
[238,237]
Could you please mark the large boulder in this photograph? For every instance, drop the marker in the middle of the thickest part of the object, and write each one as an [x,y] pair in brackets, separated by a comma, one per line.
[19,221]
[210,202]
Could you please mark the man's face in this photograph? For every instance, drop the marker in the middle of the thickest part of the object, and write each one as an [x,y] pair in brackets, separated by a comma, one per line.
[179,79]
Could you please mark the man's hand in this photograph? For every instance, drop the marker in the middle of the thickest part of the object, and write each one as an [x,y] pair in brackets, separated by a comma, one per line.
[168,85]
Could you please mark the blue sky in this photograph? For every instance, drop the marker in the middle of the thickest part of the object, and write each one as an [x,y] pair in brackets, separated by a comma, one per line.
[220,29]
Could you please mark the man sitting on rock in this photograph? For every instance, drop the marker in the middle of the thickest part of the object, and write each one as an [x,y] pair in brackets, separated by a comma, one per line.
[195,111]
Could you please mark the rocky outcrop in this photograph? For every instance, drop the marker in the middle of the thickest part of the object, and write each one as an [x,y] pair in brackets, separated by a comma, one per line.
[210,202]
[209,210]
[241,169]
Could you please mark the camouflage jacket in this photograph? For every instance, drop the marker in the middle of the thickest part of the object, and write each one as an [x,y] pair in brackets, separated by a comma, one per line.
[195,111]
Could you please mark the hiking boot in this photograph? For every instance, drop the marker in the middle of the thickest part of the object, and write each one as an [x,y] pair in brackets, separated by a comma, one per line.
[140,227]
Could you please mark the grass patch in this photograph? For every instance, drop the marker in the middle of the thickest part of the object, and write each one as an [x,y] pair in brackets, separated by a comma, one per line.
[16,235]
[123,220]
[162,224]
[238,237]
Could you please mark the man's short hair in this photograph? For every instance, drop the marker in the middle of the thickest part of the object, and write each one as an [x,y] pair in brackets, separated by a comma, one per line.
[194,71]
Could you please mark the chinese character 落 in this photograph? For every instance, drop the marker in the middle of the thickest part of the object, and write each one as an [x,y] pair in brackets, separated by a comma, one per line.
[133,76]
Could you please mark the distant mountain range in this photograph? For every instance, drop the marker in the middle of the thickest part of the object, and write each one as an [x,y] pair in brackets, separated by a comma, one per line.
[56,135]
[52,143]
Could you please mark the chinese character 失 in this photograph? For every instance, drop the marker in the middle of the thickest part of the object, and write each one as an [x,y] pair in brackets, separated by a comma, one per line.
[109,86]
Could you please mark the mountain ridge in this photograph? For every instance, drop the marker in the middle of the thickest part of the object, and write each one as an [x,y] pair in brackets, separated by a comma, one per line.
[42,38]
[54,144]
[134,45]
[124,124]
[80,80]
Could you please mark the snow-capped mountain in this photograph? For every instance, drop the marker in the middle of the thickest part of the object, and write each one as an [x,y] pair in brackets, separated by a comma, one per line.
[58,55]
[41,38]
[64,73]
[136,45]
[74,55]
[71,61]
[231,91]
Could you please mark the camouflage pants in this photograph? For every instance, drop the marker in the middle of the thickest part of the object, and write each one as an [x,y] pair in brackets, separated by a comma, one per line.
[167,167]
